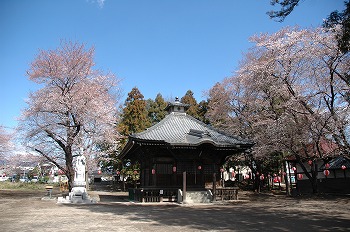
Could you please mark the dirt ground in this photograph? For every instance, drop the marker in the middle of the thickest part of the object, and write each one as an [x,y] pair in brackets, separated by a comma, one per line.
[27,211]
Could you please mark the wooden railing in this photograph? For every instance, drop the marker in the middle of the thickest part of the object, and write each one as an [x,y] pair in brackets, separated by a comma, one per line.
[153,195]
[171,194]
[226,193]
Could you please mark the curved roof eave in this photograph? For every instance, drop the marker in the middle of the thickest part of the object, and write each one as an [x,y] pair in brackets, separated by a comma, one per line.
[242,146]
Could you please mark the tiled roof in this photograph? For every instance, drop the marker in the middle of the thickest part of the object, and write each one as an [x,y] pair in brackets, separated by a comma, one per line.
[338,162]
[181,129]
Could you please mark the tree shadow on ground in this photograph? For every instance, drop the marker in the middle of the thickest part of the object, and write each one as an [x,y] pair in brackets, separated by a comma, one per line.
[262,215]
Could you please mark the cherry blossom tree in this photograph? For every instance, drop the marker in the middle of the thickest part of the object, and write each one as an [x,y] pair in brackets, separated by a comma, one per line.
[311,74]
[6,148]
[291,90]
[5,143]
[75,109]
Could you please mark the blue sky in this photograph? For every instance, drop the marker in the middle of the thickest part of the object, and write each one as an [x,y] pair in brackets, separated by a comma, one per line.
[159,46]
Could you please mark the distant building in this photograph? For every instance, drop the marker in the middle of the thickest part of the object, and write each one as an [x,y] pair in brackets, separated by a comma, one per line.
[332,176]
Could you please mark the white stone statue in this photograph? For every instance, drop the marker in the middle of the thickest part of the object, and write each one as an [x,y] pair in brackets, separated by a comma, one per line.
[80,166]
[78,194]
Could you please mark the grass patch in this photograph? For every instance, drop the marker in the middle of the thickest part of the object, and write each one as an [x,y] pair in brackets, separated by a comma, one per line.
[21,185]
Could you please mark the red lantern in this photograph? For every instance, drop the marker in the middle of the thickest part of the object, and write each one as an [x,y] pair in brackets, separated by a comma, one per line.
[309,162]
[174,168]
[300,176]
[343,167]
[294,169]
[153,171]
[199,167]
[326,172]
[327,165]
[99,172]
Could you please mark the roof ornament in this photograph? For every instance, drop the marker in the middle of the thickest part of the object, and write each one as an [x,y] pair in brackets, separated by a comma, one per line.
[177,106]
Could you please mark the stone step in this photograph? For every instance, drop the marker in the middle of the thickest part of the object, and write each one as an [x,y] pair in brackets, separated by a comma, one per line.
[199,196]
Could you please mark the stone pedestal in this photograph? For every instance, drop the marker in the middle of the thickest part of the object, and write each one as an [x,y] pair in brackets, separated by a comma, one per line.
[78,195]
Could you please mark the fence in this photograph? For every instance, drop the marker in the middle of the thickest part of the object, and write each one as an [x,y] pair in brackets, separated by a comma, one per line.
[226,193]
[153,195]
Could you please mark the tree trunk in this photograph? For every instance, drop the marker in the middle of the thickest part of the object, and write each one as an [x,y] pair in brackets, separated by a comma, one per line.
[313,177]
[69,168]
[70,176]
[286,179]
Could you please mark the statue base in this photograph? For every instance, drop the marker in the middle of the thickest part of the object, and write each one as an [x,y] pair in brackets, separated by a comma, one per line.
[78,195]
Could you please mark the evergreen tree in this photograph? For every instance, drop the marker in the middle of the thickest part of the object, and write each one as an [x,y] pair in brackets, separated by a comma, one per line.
[218,107]
[156,109]
[191,101]
[287,6]
[134,118]
[343,19]
[202,110]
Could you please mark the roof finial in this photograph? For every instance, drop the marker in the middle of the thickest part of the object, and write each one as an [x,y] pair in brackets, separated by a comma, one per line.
[176,106]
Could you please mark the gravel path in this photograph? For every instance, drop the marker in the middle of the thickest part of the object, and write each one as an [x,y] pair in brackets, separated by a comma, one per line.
[26,211]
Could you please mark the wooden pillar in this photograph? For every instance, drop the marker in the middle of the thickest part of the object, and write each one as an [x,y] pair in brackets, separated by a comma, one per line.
[184,187]
[214,186]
